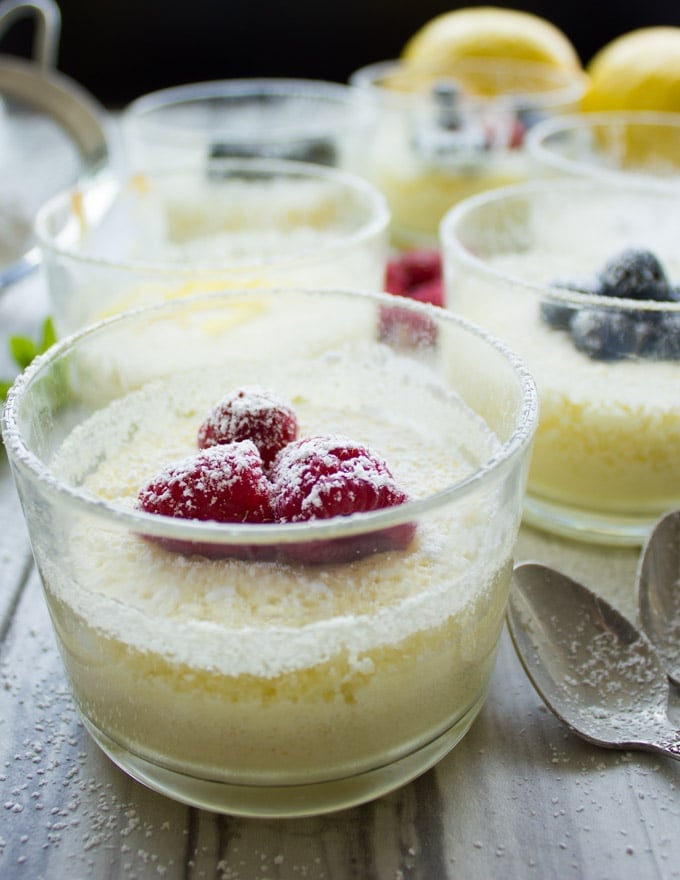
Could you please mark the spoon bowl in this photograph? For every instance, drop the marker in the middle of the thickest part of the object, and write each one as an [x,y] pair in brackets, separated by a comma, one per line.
[658,591]
[590,665]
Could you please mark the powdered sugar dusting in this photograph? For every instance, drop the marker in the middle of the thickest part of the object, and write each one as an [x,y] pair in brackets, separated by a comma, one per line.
[224,483]
[252,412]
[331,475]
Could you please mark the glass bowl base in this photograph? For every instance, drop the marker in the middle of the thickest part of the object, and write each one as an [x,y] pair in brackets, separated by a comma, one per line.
[588,525]
[285,801]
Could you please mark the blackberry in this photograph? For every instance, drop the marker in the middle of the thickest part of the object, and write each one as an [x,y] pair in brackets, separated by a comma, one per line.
[635,274]
[667,344]
[604,334]
[558,314]
[314,150]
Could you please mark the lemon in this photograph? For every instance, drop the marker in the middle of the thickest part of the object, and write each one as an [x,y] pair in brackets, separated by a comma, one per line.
[637,71]
[489,31]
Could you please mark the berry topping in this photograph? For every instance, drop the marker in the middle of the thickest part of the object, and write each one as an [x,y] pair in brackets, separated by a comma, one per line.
[412,268]
[396,278]
[634,274]
[431,292]
[329,476]
[313,478]
[225,484]
[558,314]
[414,274]
[616,333]
[250,413]
[668,337]
[603,335]
[402,328]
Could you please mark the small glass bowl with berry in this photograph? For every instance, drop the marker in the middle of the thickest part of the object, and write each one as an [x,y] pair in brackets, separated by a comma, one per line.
[306,120]
[583,279]
[113,243]
[276,546]
[447,132]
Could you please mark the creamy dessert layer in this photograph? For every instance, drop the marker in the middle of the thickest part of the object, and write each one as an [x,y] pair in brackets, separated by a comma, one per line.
[240,670]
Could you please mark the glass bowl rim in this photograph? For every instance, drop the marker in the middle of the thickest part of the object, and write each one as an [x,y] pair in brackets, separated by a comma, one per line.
[116,183]
[567,123]
[571,88]
[506,459]
[450,243]
[144,107]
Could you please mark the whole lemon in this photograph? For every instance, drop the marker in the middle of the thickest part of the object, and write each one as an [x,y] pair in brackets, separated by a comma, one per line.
[637,71]
[489,31]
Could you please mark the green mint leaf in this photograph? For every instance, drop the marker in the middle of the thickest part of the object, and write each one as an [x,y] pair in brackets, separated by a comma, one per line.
[49,336]
[23,350]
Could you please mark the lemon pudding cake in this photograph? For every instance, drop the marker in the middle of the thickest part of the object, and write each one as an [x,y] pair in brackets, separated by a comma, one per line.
[258,671]
[112,245]
[454,108]
[606,368]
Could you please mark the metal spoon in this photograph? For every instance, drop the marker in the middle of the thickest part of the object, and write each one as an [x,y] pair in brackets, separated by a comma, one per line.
[658,591]
[591,666]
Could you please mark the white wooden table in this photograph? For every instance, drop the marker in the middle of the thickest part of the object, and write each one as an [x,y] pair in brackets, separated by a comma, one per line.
[520,798]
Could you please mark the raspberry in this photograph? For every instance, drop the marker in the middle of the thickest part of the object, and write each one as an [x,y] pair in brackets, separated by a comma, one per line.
[225,483]
[428,292]
[517,134]
[402,328]
[415,274]
[411,269]
[396,278]
[329,476]
[421,265]
[250,413]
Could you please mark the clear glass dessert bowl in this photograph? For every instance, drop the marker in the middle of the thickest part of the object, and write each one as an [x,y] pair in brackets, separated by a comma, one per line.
[277,118]
[618,147]
[121,242]
[443,134]
[581,278]
[279,667]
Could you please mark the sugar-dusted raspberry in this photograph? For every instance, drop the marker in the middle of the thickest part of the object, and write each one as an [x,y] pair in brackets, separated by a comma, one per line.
[331,476]
[415,274]
[411,268]
[250,413]
[225,484]
[404,328]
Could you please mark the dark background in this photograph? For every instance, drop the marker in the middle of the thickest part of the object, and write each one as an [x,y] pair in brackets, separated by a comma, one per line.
[119,49]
